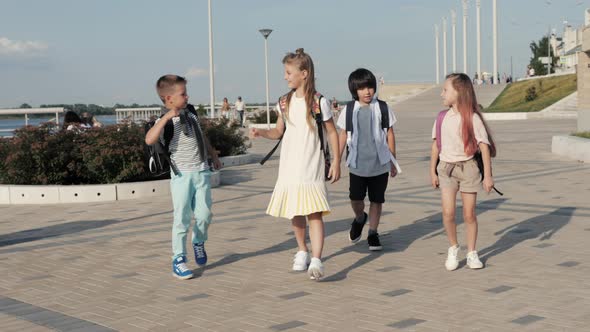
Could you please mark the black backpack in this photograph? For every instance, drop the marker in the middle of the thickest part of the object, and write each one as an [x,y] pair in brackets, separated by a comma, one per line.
[157,155]
[384,116]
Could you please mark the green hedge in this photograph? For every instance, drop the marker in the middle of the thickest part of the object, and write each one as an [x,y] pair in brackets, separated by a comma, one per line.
[583,134]
[260,117]
[112,154]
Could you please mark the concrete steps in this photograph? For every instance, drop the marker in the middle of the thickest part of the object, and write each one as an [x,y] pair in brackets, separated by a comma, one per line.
[565,108]
[486,94]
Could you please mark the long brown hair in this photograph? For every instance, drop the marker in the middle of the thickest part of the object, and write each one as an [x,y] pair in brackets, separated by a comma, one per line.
[303,62]
[467,105]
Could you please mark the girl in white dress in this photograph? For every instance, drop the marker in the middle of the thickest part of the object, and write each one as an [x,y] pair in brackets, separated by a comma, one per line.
[300,192]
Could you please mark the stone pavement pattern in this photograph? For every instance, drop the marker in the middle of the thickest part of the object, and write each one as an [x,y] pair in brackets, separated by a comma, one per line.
[103,267]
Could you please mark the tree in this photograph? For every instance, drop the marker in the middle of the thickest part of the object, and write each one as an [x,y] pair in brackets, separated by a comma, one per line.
[539,49]
[25,105]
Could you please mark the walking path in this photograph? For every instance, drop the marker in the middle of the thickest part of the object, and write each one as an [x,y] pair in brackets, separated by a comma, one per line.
[102,267]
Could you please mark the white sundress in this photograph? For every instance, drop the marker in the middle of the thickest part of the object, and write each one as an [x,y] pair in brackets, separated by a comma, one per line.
[300,189]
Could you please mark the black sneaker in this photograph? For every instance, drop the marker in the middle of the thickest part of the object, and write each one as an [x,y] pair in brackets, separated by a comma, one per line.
[356,229]
[374,243]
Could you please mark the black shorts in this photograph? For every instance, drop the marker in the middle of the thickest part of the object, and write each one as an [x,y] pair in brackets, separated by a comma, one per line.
[376,185]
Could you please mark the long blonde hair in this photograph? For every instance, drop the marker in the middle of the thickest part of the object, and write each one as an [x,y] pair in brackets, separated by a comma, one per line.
[303,62]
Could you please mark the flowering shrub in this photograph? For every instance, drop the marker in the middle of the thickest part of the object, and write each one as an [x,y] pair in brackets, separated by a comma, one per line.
[112,154]
[260,117]
[225,136]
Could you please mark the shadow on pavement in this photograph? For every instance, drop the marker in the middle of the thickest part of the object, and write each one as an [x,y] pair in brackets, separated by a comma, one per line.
[544,226]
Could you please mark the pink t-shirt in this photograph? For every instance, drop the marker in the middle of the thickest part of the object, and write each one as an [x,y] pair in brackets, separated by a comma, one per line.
[452,148]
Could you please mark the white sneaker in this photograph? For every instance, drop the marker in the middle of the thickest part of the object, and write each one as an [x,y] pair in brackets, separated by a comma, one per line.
[452,262]
[301,261]
[473,260]
[316,269]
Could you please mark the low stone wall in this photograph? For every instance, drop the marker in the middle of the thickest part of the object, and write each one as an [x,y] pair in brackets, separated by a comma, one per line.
[58,194]
[261,125]
[572,147]
[505,116]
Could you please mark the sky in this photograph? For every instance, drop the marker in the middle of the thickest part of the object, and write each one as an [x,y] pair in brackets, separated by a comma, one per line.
[112,51]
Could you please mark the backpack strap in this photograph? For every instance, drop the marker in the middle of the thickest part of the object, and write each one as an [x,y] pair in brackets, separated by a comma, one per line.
[282,107]
[168,133]
[384,114]
[439,121]
[199,134]
[319,120]
[316,112]
[349,110]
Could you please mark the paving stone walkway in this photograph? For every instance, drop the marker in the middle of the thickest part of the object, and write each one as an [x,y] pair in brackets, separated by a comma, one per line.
[104,267]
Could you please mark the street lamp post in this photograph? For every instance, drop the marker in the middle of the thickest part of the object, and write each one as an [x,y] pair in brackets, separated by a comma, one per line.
[549,58]
[265,33]
[454,24]
[211,79]
[444,27]
[495,41]
[478,23]
[465,36]
[437,54]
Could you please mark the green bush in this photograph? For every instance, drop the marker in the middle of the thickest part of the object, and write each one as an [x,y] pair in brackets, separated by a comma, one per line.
[201,111]
[260,117]
[41,155]
[583,134]
[112,154]
[531,94]
[225,136]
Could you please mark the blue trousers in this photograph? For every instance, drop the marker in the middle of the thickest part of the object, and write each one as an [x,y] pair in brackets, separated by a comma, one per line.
[191,196]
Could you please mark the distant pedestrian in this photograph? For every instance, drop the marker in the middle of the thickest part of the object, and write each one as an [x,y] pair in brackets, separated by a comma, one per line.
[72,121]
[240,108]
[90,120]
[225,109]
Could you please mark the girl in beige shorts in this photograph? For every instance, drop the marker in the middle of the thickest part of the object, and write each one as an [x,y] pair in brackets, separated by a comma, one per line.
[458,134]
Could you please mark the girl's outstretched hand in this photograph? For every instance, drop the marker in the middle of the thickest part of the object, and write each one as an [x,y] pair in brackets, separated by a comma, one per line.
[334,173]
[254,133]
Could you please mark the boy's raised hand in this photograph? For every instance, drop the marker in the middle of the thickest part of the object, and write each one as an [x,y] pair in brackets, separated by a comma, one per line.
[172,113]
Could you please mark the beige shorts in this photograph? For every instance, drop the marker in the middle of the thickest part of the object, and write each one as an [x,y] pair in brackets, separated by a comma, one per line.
[463,176]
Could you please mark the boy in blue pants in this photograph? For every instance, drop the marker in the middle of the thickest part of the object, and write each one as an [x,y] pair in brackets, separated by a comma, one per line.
[191,188]
[367,132]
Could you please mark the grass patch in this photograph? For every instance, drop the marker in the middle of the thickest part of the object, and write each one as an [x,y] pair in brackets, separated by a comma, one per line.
[583,134]
[547,90]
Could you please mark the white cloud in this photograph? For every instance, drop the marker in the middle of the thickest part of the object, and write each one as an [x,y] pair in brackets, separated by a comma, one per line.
[18,47]
[193,72]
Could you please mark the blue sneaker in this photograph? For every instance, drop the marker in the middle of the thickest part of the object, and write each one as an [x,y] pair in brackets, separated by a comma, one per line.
[180,270]
[200,253]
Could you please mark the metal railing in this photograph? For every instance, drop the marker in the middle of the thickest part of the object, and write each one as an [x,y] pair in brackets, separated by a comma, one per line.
[27,111]
[138,115]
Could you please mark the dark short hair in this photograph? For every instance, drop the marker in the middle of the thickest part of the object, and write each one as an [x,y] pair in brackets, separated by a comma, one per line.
[360,79]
